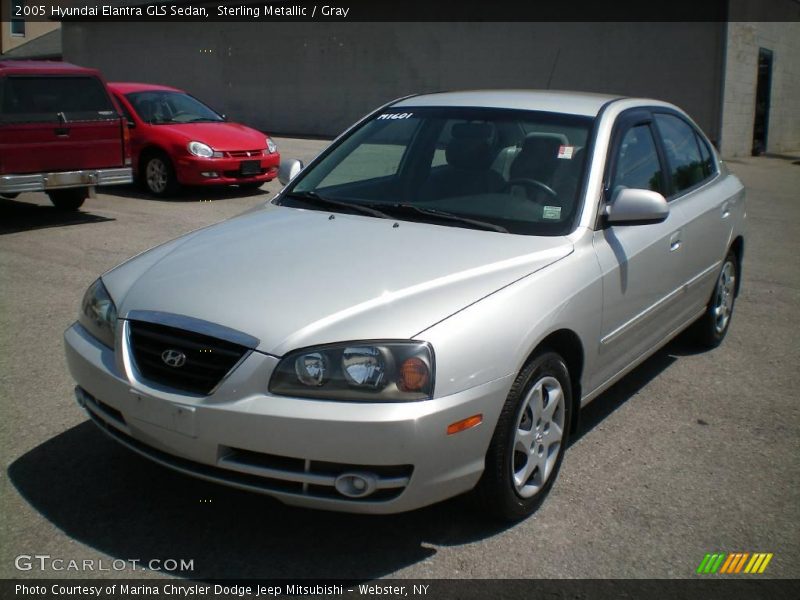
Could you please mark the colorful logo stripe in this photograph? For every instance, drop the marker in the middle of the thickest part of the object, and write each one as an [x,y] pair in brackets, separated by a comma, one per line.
[734,562]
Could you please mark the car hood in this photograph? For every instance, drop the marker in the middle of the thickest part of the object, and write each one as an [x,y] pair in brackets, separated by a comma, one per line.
[220,136]
[293,278]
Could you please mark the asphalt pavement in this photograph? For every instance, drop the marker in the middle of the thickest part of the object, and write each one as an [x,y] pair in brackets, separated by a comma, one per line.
[691,453]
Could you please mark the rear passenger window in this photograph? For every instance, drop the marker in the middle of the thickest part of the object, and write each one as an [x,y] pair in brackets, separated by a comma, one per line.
[637,164]
[40,99]
[687,167]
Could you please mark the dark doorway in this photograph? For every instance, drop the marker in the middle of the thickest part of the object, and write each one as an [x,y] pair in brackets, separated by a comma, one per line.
[763,87]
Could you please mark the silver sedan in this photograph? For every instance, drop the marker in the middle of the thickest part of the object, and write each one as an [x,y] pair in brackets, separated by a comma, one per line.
[424,309]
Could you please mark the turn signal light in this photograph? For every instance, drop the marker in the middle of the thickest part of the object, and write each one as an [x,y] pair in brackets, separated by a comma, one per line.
[414,375]
[464,424]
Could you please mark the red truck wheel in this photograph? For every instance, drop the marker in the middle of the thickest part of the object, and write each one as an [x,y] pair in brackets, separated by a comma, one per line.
[70,199]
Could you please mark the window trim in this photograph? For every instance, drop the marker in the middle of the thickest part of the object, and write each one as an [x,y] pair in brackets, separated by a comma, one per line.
[698,136]
[626,121]
[659,158]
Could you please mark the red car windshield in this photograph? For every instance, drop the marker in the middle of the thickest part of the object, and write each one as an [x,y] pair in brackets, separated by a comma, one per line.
[160,107]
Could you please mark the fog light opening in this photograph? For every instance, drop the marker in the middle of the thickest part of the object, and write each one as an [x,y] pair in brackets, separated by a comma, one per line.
[355,485]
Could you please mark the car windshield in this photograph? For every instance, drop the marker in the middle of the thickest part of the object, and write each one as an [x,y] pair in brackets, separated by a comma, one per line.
[503,170]
[160,107]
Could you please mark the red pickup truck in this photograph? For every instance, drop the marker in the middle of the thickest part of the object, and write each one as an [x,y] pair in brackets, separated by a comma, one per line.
[60,132]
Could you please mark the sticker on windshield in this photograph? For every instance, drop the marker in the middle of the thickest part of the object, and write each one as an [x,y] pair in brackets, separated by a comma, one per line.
[551,212]
[396,116]
[565,151]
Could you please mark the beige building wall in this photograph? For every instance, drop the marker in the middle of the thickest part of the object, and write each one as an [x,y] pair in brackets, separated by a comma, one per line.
[739,98]
[33,29]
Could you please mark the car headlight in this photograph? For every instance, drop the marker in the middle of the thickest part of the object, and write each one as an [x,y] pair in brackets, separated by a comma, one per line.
[98,314]
[367,371]
[202,150]
[271,147]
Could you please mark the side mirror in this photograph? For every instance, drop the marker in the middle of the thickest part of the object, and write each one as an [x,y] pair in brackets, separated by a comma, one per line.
[633,206]
[289,169]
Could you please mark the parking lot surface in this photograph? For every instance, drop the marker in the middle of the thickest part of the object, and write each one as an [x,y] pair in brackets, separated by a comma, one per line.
[691,453]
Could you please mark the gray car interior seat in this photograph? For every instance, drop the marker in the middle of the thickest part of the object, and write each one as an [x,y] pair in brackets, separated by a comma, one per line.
[469,155]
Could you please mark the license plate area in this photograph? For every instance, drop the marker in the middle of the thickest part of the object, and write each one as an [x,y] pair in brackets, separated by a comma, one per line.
[175,417]
[250,167]
[69,179]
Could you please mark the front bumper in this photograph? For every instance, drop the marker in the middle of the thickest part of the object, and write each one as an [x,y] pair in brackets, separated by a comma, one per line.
[192,170]
[289,448]
[39,182]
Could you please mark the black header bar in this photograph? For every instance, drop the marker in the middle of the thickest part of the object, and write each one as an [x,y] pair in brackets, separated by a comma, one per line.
[412,10]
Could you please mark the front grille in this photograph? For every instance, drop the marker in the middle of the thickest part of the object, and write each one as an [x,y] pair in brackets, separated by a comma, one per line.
[207,359]
[244,153]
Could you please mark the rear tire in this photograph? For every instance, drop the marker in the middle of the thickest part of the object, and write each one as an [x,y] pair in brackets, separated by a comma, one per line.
[710,329]
[529,441]
[158,175]
[69,199]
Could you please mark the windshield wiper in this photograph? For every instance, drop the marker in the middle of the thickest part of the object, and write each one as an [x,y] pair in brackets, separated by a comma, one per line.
[440,214]
[315,198]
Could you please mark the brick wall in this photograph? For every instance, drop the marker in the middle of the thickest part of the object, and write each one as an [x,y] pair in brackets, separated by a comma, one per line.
[741,70]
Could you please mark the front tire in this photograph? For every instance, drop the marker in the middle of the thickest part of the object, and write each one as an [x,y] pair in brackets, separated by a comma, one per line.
[158,175]
[69,199]
[711,328]
[528,444]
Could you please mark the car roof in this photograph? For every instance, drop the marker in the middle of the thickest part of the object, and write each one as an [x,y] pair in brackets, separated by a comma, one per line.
[43,67]
[129,87]
[576,103]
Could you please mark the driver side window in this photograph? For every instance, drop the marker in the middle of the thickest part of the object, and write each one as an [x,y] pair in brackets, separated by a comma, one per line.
[637,165]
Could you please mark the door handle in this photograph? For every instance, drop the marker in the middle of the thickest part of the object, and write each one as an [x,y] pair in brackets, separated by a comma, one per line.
[726,210]
[61,131]
[675,241]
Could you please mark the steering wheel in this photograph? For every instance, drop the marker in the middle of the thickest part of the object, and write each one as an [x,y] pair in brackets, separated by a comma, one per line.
[533,183]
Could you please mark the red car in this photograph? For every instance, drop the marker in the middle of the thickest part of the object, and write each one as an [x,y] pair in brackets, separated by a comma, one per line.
[178,140]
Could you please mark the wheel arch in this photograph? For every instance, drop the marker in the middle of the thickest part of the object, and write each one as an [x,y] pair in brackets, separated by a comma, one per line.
[567,344]
[147,152]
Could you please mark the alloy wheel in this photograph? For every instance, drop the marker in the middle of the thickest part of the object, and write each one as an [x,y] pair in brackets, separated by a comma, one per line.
[538,436]
[723,300]
[156,175]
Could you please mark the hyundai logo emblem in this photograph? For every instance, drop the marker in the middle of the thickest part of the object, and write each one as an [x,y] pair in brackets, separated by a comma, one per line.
[173,358]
